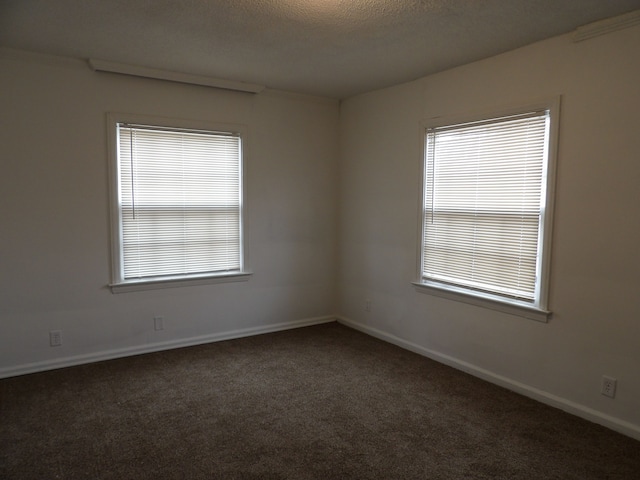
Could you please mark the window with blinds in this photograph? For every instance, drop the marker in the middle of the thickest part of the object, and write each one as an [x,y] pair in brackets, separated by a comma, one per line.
[179,212]
[485,188]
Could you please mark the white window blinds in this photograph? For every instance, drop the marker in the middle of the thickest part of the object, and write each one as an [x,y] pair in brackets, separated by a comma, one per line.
[484,190]
[179,202]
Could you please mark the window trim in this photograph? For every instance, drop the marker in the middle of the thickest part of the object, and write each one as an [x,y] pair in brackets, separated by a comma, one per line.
[118,284]
[537,310]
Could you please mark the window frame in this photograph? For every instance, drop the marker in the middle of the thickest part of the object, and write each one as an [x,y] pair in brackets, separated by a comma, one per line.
[538,309]
[118,283]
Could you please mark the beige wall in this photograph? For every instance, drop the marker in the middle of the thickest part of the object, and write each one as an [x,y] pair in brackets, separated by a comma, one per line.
[54,245]
[595,275]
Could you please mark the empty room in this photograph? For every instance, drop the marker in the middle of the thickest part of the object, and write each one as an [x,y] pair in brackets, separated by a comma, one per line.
[310,239]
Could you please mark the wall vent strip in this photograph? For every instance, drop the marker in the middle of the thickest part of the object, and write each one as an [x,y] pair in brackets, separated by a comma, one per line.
[608,25]
[137,71]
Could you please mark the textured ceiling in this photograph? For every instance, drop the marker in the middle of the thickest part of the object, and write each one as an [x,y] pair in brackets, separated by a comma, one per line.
[334,48]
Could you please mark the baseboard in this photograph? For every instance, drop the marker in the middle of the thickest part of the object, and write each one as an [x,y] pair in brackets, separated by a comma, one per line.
[568,406]
[157,347]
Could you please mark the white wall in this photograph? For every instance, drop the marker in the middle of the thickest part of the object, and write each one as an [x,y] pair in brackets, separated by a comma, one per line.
[54,243]
[595,276]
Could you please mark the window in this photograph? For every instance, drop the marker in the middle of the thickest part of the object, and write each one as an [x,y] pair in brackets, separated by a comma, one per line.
[177,209]
[486,218]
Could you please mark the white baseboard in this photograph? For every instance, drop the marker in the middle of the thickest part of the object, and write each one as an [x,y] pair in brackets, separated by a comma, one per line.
[582,411]
[159,346]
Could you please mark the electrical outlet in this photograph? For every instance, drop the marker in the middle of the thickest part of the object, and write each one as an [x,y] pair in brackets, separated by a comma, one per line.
[367,305]
[55,338]
[158,323]
[608,387]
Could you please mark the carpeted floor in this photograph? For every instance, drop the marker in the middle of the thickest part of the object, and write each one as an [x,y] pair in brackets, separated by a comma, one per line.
[323,402]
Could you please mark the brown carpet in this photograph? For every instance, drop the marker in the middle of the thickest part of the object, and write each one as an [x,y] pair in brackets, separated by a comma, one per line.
[322,402]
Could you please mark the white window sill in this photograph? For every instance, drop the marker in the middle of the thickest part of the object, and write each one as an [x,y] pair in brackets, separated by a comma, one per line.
[171,282]
[512,307]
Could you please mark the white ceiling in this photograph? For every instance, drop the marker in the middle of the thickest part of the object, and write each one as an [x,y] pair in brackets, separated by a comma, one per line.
[334,48]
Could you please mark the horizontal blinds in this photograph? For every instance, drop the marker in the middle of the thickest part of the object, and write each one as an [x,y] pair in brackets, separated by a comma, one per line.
[482,208]
[179,200]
